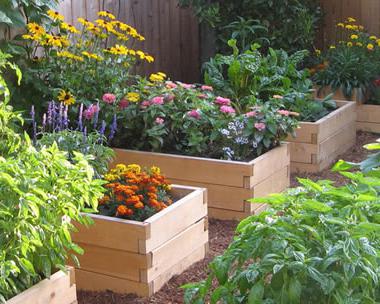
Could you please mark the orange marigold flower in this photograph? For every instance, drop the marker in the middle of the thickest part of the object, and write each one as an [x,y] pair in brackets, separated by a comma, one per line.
[121,210]
[132,200]
[119,197]
[139,205]
[105,199]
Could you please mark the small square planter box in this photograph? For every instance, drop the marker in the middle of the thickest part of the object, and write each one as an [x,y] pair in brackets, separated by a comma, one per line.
[59,289]
[338,94]
[368,118]
[318,144]
[229,183]
[140,257]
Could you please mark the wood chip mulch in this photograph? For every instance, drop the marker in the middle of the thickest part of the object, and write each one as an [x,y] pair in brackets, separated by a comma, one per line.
[221,234]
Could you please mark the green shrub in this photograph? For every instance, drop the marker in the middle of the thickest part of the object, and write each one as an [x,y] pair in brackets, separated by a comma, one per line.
[74,141]
[316,244]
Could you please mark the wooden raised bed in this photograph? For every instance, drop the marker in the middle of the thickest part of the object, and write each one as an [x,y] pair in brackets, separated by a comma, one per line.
[140,257]
[229,183]
[338,94]
[318,144]
[59,289]
[368,118]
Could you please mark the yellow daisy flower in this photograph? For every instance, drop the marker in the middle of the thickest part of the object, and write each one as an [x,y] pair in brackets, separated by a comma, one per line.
[353,37]
[36,29]
[370,46]
[133,97]
[106,14]
[66,97]
[55,15]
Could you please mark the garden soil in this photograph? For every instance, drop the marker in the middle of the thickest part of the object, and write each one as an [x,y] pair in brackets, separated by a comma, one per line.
[221,234]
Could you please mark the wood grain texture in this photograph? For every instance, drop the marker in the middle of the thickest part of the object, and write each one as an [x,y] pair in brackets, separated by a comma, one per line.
[59,289]
[139,257]
[368,118]
[171,32]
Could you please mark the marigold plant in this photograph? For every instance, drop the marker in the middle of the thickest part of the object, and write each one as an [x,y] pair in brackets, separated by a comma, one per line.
[135,194]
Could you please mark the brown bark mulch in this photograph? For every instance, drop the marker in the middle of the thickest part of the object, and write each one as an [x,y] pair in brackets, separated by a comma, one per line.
[221,234]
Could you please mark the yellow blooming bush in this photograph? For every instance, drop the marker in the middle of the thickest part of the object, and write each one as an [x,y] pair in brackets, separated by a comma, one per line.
[353,62]
[88,64]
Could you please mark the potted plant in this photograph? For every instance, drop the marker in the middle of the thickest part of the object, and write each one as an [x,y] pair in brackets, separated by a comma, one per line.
[146,232]
[41,193]
[351,71]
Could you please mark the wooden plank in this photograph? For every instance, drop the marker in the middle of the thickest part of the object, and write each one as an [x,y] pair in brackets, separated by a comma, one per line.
[368,113]
[111,232]
[59,289]
[302,152]
[368,127]
[92,9]
[276,183]
[175,250]
[197,255]
[305,133]
[91,281]
[331,123]
[178,217]
[227,215]
[195,169]
[116,263]
[269,163]
[78,10]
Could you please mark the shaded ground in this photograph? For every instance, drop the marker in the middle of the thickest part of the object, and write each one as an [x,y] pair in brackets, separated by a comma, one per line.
[221,233]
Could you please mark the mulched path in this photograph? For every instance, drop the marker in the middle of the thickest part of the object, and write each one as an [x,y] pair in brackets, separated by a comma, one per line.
[221,234]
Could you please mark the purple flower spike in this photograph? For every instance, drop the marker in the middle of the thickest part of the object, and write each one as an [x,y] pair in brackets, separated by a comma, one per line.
[80,121]
[65,118]
[96,117]
[34,124]
[113,128]
[44,122]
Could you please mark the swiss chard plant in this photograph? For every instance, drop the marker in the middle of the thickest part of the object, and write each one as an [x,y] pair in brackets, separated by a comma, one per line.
[315,244]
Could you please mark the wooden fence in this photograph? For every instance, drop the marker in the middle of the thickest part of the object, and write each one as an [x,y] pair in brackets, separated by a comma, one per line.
[171,32]
[367,13]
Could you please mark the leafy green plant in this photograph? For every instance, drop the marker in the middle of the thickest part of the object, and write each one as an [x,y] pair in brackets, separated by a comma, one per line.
[74,141]
[316,244]
[249,77]
[291,24]
[191,120]
[15,14]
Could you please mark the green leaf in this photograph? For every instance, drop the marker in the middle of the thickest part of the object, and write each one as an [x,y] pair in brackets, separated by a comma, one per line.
[256,293]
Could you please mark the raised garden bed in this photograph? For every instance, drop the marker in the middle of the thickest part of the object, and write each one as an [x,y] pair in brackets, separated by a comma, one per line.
[338,94]
[229,183]
[59,289]
[140,257]
[368,118]
[317,144]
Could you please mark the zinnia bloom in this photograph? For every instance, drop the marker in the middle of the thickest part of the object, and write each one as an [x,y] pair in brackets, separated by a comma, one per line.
[109,98]
[159,121]
[145,104]
[227,109]
[90,111]
[171,85]
[260,126]
[250,114]
[123,104]
[207,88]
[283,112]
[194,114]
[158,100]
[222,101]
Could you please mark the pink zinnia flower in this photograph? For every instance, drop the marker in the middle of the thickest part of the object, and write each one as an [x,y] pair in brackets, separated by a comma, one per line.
[145,104]
[194,114]
[207,88]
[171,85]
[158,100]
[109,98]
[227,109]
[159,120]
[283,112]
[90,111]
[250,114]
[169,97]
[123,104]
[186,85]
[222,101]
[260,126]
[202,96]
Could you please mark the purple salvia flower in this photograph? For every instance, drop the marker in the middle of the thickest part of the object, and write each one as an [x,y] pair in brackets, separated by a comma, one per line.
[34,124]
[80,121]
[50,113]
[44,122]
[96,115]
[85,135]
[53,115]
[113,128]
[60,117]
[102,131]
[65,118]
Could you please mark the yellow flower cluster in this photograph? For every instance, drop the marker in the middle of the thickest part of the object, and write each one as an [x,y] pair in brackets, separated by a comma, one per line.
[92,56]
[133,97]
[69,55]
[121,169]
[157,77]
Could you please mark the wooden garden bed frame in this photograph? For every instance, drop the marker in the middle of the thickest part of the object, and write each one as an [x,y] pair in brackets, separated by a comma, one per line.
[318,144]
[229,183]
[140,257]
[59,289]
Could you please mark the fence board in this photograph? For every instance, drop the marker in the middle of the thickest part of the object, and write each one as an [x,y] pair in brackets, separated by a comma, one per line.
[367,12]
[171,33]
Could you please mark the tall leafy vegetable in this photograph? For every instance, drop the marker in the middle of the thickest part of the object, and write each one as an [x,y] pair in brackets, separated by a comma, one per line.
[316,244]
